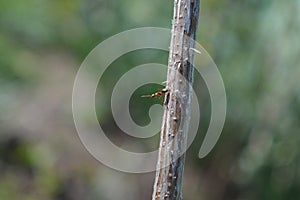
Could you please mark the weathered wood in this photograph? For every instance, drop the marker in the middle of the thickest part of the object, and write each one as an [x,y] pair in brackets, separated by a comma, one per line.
[168,180]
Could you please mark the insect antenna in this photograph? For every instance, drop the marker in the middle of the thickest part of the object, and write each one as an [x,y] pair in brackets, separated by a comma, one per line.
[147,95]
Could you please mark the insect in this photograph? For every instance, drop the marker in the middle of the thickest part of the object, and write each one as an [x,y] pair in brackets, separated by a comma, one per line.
[157,94]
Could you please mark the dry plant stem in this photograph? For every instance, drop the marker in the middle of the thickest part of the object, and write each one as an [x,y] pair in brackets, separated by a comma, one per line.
[168,180]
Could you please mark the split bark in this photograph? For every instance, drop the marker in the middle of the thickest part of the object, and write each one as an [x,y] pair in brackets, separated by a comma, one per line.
[168,180]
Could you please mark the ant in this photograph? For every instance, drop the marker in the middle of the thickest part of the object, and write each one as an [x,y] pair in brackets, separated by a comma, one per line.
[157,94]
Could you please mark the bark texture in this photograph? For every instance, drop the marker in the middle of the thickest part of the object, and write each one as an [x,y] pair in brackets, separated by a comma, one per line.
[168,180]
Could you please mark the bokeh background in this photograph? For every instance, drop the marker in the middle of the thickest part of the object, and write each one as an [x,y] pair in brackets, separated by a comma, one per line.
[255,44]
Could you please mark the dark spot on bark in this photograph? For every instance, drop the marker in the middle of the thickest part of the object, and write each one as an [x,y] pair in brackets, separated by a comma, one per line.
[180,69]
[167,99]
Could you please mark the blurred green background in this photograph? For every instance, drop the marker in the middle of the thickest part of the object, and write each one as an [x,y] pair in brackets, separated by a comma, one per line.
[255,44]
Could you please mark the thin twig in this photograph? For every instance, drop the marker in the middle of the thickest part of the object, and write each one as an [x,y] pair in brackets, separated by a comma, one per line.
[168,180]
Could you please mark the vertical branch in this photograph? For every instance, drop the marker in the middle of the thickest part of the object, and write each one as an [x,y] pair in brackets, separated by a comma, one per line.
[168,180]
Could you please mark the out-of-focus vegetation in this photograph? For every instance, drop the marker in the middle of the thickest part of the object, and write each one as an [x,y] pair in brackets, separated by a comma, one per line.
[255,45]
